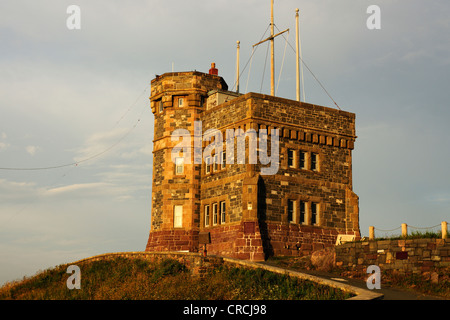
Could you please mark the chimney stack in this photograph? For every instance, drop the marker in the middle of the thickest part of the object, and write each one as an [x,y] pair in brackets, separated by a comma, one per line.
[213,69]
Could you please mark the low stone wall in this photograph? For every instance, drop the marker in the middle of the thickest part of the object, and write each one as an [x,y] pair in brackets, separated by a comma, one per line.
[405,256]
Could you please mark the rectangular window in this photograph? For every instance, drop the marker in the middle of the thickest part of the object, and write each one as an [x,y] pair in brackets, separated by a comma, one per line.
[302,212]
[290,158]
[314,161]
[216,162]
[207,216]
[223,212]
[160,106]
[224,160]
[178,216]
[215,214]
[180,102]
[313,213]
[301,160]
[291,208]
[202,101]
[179,165]
[208,165]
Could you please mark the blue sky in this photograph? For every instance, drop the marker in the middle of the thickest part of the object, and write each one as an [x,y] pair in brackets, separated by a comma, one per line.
[68,95]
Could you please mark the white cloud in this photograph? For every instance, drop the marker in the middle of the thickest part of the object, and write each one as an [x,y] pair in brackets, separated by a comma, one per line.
[3,144]
[86,188]
[32,150]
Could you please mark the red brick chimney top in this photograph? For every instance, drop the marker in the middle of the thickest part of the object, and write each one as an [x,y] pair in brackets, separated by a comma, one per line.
[213,69]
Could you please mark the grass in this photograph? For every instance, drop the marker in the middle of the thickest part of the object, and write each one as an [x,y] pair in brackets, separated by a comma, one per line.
[414,235]
[139,279]
[411,282]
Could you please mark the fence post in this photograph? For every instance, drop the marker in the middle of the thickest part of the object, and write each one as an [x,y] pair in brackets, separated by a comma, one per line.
[444,229]
[371,232]
[404,229]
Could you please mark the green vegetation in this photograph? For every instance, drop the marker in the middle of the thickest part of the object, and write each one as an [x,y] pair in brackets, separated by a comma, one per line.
[419,283]
[414,235]
[139,279]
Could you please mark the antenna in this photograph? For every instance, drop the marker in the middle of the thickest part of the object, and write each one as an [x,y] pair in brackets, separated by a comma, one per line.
[272,52]
[297,56]
[237,66]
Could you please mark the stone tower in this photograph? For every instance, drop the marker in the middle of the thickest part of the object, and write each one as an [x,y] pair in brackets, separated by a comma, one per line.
[302,206]
[177,100]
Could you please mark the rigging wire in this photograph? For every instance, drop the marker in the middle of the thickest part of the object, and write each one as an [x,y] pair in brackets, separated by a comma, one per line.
[250,60]
[264,70]
[303,62]
[76,163]
[249,69]
[282,64]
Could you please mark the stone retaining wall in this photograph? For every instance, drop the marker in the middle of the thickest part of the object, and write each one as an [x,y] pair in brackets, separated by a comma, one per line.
[405,256]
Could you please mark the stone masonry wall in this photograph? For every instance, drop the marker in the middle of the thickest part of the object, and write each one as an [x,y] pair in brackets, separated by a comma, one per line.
[256,223]
[407,256]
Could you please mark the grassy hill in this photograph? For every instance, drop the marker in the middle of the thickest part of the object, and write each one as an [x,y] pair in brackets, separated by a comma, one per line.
[139,279]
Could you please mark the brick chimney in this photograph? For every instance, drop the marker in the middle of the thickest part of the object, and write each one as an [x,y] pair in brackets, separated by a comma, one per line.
[213,69]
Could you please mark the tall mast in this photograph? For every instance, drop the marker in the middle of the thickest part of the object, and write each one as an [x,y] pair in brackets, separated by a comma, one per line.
[237,66]
[272,53]
[298,57]
[272,39]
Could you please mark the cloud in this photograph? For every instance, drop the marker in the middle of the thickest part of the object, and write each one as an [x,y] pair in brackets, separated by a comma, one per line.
[3,144]
[32,149]
[84,188]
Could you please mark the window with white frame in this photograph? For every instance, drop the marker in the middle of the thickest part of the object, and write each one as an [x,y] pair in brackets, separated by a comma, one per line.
[160,106]
[291,158]
[302,209]
[302,159]
[291,210]
[208,165]
[314,161]
[224,160]
[216,162]
[223,212]
[314,211]
[178,216]
[179,165]
[215,214]
[180,102]
[207,215]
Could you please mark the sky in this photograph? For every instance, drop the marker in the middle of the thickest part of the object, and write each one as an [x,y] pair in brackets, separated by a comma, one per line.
[74,102]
